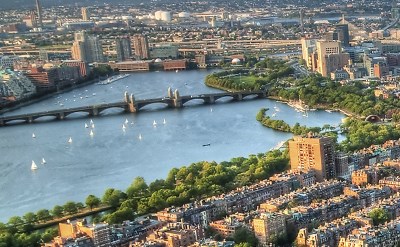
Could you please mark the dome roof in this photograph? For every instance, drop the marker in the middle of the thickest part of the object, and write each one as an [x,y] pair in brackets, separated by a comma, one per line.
[158,60]
[236,60]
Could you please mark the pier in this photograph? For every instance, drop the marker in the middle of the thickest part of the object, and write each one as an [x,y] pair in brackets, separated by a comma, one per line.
[130,105]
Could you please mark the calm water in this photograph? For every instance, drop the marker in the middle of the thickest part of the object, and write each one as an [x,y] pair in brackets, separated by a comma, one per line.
[113,157]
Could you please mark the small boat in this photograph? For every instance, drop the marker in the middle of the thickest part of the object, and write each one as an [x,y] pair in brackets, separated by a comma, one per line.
[123,127]
[328,111]
[86,125]
[165,121]
[94,94]
[140,137]
[91,133]
[273,115]
[33,166]
[70,140]
[206,145]
[176,71]
[93,126]
[33,135]
[154,123]
[43,161]
[126,121]
[211,109]
[91,121]
[132,123]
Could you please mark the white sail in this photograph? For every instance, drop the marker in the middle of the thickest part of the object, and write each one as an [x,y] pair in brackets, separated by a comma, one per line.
[33,135]
[123,127]
[165,121]
[126,121]
[154,123]
[140,136]
[91,133]
[33,166]
[91,121]
[86,125]
[93,126]
[43,161]
[70,140]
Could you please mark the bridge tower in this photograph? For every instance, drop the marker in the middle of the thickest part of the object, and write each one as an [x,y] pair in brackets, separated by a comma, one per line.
[170,93]
[177,99]
[130,101]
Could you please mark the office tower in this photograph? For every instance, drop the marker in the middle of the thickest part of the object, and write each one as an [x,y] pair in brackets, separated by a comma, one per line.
[317,153]
[302,20]
[124,49]
[141,46]
[39,14]
[324,48]
[343,36]
[85,13]
[87,48]
[308,48]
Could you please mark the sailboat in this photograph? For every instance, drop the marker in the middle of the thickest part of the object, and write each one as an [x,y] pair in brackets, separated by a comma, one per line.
[91,133]
[126,121]
[140,136]
[86,125]
[165,121]
[91,121]
[123,127]
[33,166]
[154,123]
[70,140]
[92,125]
[132,123]
[33,135]
[211,109]
[43,161]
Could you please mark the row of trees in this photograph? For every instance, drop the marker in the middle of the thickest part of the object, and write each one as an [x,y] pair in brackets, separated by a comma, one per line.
[355,97]
[265,72]
[189,183]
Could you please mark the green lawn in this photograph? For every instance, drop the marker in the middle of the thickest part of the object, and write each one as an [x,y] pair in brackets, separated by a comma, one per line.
[247,79]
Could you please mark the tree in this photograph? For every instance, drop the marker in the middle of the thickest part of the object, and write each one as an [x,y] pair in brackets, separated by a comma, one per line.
[243,235]
[113,197]
[30,217]
[43,215]
[57,211]
[70,207]
[379,216]
[137,188]
[92,201]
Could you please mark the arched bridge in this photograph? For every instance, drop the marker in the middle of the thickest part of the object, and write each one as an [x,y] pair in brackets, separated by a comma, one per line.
[173,100]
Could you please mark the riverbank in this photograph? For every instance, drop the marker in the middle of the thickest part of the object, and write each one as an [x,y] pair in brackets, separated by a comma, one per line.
[36,99]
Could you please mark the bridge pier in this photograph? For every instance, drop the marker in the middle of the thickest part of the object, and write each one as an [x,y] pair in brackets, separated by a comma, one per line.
[131,105]
[2,123]
[210,100]
[30,119]
[239,97]
[95,111]
[60,116]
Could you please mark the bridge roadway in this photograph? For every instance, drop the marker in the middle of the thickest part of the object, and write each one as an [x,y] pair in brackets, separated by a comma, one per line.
[174,100]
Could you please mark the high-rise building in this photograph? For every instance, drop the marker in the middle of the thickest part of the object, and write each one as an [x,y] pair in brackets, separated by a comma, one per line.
[324,48]
[30,20]
[85,13]
[308,47]
[316,153]
[39,14]
[124,48]
[87,48]
[343,36]
[141,46]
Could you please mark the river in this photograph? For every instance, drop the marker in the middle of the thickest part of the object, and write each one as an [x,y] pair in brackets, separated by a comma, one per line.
[113,157]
